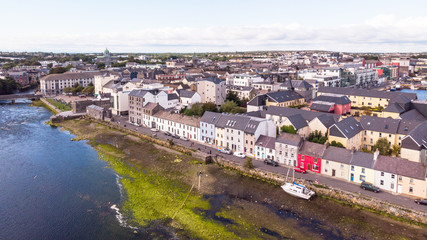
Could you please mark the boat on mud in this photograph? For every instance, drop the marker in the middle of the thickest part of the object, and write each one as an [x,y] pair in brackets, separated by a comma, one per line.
[297,190]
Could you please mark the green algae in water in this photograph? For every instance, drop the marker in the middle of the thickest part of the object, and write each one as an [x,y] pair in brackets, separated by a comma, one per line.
[151,197]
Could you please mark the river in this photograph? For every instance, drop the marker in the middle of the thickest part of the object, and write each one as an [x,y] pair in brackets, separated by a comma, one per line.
[51,187]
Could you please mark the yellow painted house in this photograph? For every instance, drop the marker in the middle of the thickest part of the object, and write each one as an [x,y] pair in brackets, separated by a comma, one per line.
[348,132]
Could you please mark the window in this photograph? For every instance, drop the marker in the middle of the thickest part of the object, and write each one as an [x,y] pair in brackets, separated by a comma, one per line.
[302,157]
[362,178]
[327,162]
[363,170]
[380,134]
[352,168]
[411,180]
[315,168]
[342,166]
[392,176]
[411,189]
[382,174]
[400,178]
[392,185]
[382,182]
[301,165]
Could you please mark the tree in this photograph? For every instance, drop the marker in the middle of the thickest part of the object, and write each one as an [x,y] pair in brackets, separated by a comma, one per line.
[210,106]
[288,129]
[232,96]
[68,89]
[231,107]
[336,144]
[317,137]
[8,85]
[248,163]
[58,70]
[100,65]
[89,90]
[383,146]
[396,150]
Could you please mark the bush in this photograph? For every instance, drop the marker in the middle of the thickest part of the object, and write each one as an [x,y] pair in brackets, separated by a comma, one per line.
[288,129]
[248,163]
[317,137]
[336,144]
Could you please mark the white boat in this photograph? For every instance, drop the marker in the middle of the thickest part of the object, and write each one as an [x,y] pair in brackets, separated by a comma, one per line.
[297,190]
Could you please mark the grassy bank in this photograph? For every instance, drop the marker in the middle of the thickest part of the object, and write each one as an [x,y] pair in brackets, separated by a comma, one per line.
[39,103]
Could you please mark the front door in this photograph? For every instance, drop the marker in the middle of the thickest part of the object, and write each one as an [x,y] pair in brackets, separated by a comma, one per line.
[309,167]
[352,177]
[333,172]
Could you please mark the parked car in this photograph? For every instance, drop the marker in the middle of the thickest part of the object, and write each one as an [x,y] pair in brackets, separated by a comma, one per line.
[270,162]
[421,201]
[369,186]
[239,154]
[224,150]
[154,130]
[300,170]
[175,136]
[168,134]
[184,138]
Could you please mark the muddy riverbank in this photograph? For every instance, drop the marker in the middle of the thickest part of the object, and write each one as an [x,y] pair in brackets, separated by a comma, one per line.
[158,201]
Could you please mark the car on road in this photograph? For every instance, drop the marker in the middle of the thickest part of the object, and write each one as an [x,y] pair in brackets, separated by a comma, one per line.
[154,130]
[271,162]
[421,201]
[168,133]
[184,138]
[300,170]
[224,150]
[239,154]
[369,187]
[175,136]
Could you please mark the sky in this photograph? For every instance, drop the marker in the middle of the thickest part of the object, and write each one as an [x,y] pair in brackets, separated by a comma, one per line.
[213,26]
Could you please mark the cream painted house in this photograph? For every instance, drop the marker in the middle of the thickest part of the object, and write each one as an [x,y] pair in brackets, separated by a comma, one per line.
[362,167]
[348,132]
[336,162]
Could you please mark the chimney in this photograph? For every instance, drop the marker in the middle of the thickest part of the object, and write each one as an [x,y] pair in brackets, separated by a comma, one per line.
[376,154]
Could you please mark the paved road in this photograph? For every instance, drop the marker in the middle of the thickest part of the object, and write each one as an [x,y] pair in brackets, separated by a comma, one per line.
[325,180]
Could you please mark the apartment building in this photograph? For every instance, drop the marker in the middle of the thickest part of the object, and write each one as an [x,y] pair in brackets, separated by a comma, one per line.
[348,132]
[211,90]
[54,84]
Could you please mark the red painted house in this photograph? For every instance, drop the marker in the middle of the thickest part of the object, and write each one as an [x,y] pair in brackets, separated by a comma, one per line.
[310,156]
[331,103]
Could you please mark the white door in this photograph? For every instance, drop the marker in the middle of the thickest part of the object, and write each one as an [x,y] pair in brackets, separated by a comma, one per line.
[399,188]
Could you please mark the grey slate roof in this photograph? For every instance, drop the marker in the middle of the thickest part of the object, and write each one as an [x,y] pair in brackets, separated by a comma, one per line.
[413,114]
[212,79]
[94,107]
[407,126]
[283,96]
[252,126]
[400,166]
[349,127]
[321,106]
[327,120]
[394,107]
[297,84]
[210,117]
[185,93]
[172,96]
[337,154]
[334,98]
[312,149]
[138,93]
[297,121]
[287,112]
[233,121]
[366,93]
[290,139]
[258,101]
[419,134]
[266,142]
[67,75]
[362,159]
[387,125]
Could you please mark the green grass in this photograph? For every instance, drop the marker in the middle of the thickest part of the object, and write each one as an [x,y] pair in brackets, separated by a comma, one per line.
[39,103]
[159,197]
[59,105]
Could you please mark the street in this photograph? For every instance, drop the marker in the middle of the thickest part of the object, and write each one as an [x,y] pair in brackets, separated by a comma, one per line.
[327,181]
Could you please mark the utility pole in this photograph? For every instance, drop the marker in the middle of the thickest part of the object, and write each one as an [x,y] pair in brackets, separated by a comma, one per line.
[200,177]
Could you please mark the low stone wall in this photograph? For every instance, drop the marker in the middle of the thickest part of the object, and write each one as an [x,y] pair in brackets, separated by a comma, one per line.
[352,198]
[50,105]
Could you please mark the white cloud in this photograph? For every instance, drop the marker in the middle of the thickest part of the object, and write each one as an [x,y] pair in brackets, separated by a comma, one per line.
[381,33]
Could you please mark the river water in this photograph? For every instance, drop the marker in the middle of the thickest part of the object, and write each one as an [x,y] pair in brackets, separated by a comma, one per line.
[51,187]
